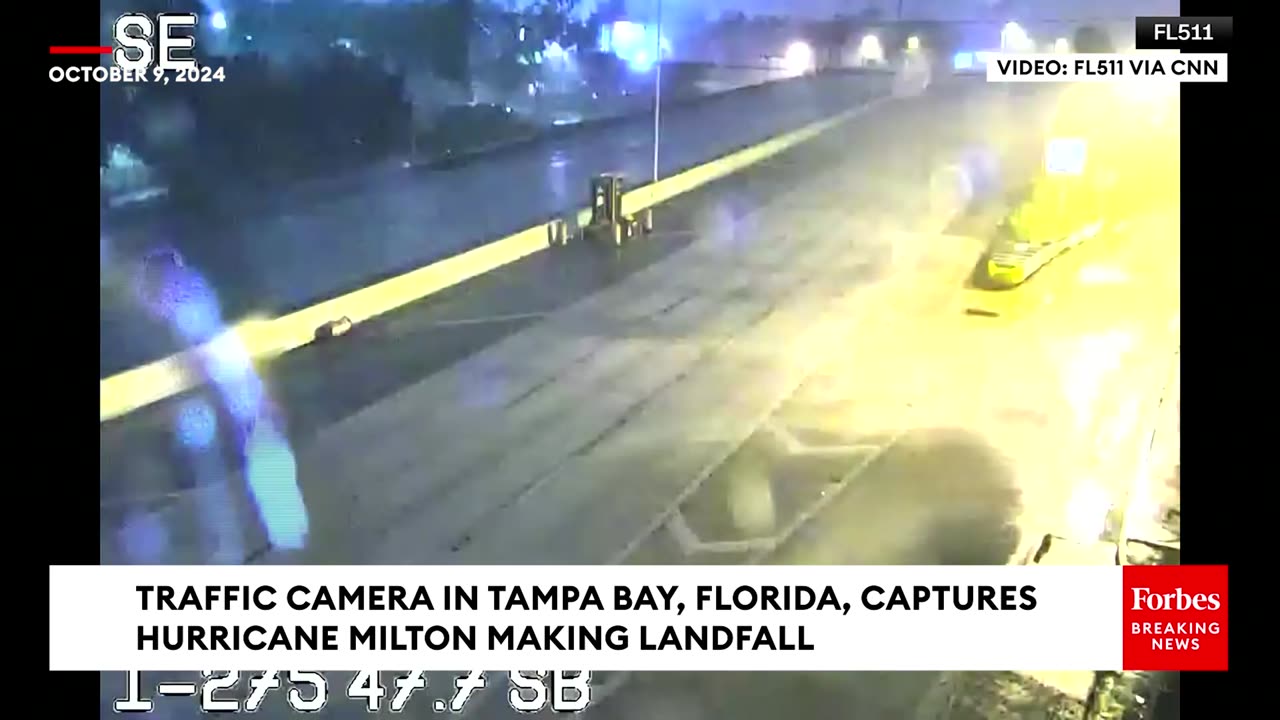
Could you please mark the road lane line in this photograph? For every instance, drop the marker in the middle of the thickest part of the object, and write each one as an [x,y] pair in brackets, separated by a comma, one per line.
[489,319]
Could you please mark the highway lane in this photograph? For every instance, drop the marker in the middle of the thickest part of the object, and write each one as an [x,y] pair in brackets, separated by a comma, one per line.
[394,222]
[320,385]
[876,169]
[959,446]
[891,426]
[847,216]
[944,494]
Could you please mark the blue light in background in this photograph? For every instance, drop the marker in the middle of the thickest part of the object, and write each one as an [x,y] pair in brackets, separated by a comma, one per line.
[963,61]
[640,61]
[633,43]
[197,426]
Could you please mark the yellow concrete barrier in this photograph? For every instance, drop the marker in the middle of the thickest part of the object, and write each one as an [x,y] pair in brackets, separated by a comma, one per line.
[264,339]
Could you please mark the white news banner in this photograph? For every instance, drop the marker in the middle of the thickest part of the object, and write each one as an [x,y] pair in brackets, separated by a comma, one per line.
[803,618]
[1118,67]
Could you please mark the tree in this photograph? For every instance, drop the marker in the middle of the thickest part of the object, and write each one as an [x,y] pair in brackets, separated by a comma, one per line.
[584,35]
[551,21]
[510,74]
[452,46]
[438,33]
[125,109]
[832,35]
[116,8]
[116,124]
[413,35]
[609,11]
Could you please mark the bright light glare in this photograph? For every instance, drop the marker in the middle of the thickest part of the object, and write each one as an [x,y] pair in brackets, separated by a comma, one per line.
[963,61]
[913,43]
[1061,45]
[1066,156]
[799,57]
[1087,512]
[219,20]
[640,61]
[634,44]
[626,33]
[1149,91]
[1014,37]
[1103,275]
[870,49]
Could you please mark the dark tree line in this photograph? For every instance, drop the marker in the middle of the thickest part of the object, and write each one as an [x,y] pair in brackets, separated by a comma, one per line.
[262,125]
[269,122]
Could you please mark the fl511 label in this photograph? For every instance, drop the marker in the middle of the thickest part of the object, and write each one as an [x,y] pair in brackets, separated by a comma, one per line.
[307,691]
[1187,34]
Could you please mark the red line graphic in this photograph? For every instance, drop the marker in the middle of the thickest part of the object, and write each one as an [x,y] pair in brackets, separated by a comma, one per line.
[80,50]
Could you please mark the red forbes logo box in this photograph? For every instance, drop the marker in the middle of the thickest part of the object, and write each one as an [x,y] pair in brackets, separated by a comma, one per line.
[1175,617]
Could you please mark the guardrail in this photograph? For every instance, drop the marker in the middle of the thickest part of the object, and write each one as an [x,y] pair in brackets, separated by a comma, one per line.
[267,338]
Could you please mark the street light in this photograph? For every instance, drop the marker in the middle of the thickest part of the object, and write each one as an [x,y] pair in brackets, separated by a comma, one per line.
[657,87]
[870,50]
[913,43]
[1014,37]
[219,21]
[798,58]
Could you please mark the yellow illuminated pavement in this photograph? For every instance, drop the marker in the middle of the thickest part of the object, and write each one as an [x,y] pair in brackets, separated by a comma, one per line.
[1076,364]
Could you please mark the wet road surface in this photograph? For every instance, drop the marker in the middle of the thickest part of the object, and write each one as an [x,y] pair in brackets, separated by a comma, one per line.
[392,222]
[791,377]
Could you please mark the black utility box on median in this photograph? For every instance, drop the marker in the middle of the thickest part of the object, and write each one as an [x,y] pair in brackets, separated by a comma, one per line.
[608,224]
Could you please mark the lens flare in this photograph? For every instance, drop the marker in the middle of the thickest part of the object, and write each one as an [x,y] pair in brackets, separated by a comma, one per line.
[798,58]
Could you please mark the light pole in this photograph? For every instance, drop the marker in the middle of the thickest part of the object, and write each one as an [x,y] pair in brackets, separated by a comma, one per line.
[657,88]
